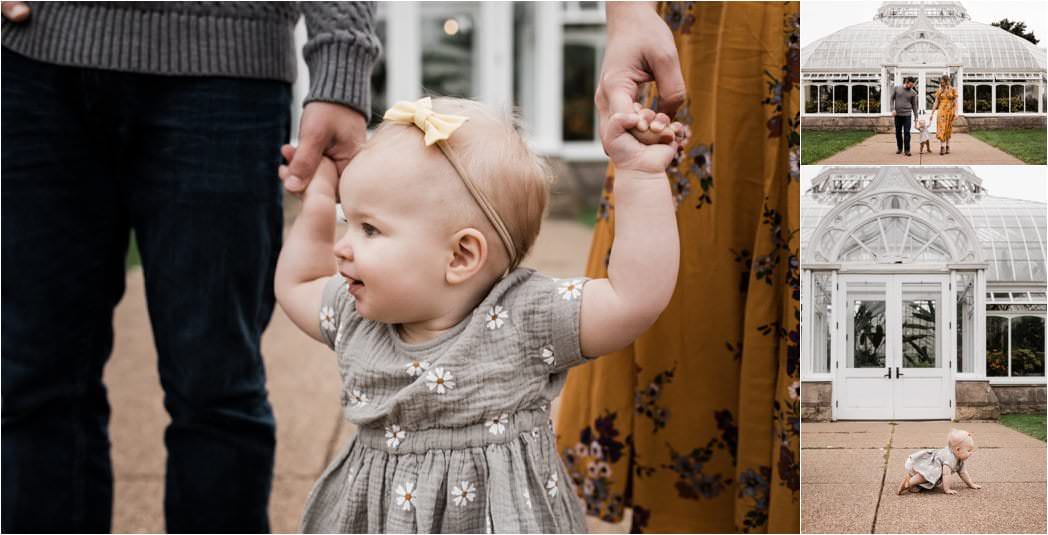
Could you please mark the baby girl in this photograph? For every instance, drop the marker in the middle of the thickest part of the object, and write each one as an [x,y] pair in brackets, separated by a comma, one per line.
[927,469]
[923,122]
[449,352]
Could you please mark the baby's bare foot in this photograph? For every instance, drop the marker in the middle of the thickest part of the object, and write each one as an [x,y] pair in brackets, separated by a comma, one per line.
[904,484]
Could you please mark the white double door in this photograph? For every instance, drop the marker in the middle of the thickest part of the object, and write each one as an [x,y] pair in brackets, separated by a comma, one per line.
[894,351]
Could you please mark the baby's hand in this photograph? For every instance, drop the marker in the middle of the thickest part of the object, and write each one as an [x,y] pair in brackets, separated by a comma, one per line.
[627,138]
[950,491]
[976,487]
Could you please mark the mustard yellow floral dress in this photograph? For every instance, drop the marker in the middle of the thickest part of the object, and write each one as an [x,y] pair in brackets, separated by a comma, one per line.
[695,427]
[947,112]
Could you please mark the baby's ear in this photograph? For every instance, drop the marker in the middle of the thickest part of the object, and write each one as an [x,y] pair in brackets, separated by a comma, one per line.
[469,253]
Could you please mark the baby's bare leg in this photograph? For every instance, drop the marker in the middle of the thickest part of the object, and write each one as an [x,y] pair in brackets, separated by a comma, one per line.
[968,479]
[909,481]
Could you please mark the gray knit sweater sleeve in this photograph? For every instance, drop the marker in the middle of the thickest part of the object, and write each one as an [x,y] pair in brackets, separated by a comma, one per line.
[341,51]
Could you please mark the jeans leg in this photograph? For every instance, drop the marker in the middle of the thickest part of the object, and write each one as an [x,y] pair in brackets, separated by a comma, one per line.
[64,242]
[906,123]
[898,132]
[207,212]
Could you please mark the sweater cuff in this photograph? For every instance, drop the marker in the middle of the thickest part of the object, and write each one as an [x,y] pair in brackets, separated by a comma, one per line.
[340,72]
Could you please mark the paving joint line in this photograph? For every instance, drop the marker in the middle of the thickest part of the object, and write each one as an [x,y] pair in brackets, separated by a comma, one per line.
[884,476]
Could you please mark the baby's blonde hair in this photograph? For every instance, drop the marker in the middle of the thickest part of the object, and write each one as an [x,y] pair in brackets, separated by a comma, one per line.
[956,437]
[498,160]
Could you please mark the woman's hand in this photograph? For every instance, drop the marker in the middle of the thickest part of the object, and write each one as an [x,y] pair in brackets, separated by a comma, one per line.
[640,49]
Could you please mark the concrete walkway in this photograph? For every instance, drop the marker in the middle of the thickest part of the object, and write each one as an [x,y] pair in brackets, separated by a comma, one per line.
[850,472]
[303,387]
[879,149]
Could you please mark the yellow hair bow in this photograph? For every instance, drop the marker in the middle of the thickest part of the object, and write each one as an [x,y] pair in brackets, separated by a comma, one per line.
[436,126]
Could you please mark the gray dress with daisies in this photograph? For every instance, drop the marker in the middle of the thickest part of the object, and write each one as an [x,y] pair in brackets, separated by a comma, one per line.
[454,434]
[929,463]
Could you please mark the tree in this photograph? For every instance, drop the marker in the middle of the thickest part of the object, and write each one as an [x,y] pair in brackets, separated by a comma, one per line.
[1016,27]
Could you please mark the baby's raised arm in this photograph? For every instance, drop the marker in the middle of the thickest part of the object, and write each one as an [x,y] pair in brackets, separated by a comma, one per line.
[307,259]
[642,269]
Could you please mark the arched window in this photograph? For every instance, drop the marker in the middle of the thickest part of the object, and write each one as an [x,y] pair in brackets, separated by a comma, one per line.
[895,238]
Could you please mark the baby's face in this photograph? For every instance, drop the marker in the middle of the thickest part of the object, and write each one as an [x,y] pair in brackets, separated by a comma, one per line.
[964,450]
[397,246]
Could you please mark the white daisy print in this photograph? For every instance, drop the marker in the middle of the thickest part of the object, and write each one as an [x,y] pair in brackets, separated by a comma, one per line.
[338,337]
[551,485]
[416,367]
[405,498]
[394,436]
[497,316]
[327,318]
[497,425]
[547,355]
[440,380]
[463,493]
[570,289]
[357,398]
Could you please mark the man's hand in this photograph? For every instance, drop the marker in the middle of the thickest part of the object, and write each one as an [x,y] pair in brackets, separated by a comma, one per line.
[15,11]
[640,49]
[326,129]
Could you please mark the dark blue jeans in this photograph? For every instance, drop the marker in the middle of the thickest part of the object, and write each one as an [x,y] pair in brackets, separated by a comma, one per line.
[902,132]
[188,163]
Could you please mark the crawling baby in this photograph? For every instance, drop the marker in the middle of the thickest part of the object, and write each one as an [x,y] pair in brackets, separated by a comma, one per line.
[927,469]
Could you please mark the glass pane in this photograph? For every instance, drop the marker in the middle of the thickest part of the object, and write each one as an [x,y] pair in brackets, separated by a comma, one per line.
[1028,346]
[996,346]
[920,332]
[1031,97]
[866,325]
[860,99]
[1002,98]
[983,99]
[840,99]
[822,319]
[965,295]
[580,77]
[931,85]
[447,50]
[825,99]
[875,99]
[1016,100]
[969,99]
[811,99]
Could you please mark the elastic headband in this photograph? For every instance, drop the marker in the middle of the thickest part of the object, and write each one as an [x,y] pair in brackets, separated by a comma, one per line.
[437,128]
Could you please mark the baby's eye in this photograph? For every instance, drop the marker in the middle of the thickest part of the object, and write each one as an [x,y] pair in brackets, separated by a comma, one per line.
[368,229]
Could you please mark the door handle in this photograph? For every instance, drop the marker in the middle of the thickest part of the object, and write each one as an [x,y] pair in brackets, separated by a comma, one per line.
[889,374]
[898,374]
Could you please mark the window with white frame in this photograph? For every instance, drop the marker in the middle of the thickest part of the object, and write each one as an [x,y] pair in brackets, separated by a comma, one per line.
[820,331]
[1015,338]
[964,292]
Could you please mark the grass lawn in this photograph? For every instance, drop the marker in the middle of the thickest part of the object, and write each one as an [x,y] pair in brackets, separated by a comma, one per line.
[1027,144]
[818,145]
[1031,424]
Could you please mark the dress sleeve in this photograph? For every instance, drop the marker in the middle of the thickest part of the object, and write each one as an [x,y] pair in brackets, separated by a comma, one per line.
[550,317]
[338,313]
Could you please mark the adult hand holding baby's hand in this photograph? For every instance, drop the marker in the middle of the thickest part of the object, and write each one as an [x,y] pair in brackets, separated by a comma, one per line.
[324,180]
[628,153]
[326,129]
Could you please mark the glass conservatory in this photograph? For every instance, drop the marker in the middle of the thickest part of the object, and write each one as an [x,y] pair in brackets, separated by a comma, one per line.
[852,71]
[916,279]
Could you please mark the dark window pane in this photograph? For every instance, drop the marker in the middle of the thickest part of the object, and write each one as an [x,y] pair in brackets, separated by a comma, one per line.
[969,99]
[1002,99]
[580,64]
[983,99]
[1028,346]
[825,99]
[1016,100]
[811,99]
[875,99]
[860,99]
[996,346]
[447,54]
[378,79]
[1031,97]
[840,99]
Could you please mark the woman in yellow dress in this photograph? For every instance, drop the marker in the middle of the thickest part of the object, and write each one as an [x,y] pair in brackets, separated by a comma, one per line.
[695,427]
[946,107]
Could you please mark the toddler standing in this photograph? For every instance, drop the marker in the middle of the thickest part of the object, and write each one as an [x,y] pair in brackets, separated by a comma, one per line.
[449,353]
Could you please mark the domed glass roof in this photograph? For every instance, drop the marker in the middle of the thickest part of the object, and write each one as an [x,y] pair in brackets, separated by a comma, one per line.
[894,215]
[869,45]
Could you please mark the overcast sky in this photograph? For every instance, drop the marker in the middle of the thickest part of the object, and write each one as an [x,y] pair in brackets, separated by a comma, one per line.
[1014,181]
[819,19]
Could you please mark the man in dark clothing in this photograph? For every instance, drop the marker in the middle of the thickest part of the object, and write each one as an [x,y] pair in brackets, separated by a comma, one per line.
[904,109]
